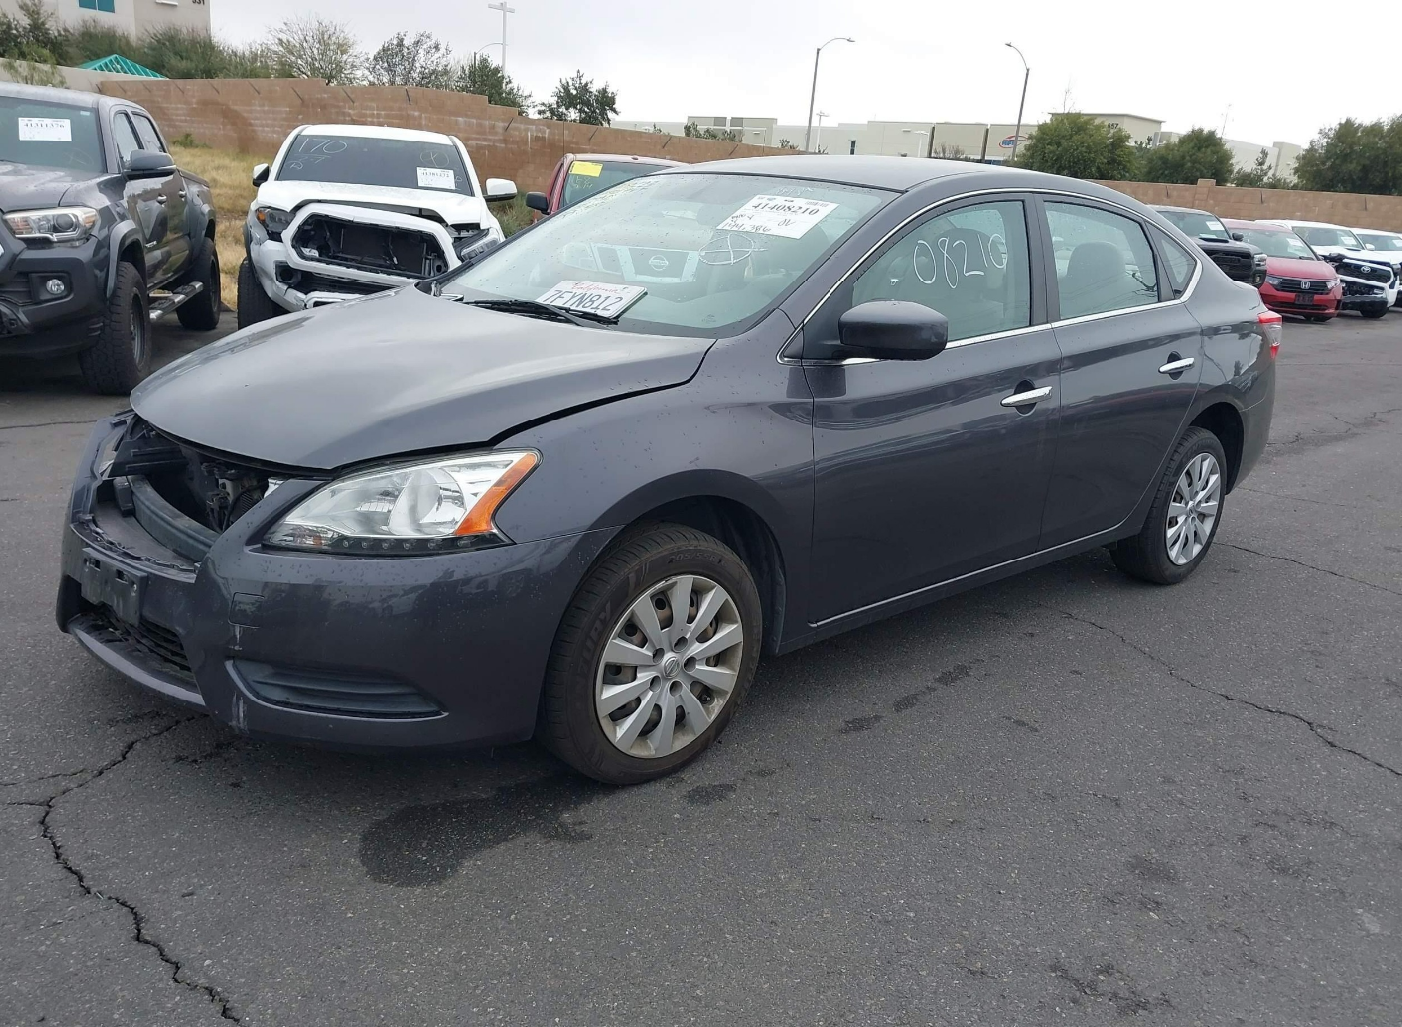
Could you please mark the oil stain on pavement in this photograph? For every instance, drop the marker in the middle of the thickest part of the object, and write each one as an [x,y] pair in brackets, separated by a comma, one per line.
[422,845]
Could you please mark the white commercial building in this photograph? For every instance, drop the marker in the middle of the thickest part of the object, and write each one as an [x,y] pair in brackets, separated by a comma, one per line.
[135,17]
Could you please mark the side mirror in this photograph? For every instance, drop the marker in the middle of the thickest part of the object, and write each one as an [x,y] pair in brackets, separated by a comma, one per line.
[1239,236]
[143,163]
[538,201]
[260,174]
[499,189]
[893,330]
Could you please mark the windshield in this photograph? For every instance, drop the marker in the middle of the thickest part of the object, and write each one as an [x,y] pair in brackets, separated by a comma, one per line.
[587,177]
[1381,240]
[355,160]
[1279,244]
[690,254]
[1196,225]
[1329,237]
[52,135]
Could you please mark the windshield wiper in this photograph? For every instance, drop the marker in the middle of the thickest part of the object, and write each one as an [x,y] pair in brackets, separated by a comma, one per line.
[534,308]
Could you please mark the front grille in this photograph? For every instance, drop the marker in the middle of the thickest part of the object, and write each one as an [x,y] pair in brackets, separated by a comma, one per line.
[1302,285]
[1367,272]
[1236,267]
[156,643]
[1362,289]
[324,692]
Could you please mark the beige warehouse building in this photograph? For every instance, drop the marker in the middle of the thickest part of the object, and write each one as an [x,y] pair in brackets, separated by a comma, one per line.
[135,17]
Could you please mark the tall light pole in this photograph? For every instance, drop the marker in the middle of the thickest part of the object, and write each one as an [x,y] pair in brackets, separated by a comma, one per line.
[1026,73]
[818,139]
[915,132]
[813,96]
[505,10]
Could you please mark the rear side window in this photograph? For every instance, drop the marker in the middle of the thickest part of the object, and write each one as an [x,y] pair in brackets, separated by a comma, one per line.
[1103,260]
[1178,264]
[970,264]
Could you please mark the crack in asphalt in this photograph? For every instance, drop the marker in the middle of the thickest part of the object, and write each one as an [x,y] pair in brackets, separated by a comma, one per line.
[1177,675]
[140,934]
[42,777]
[1310,566]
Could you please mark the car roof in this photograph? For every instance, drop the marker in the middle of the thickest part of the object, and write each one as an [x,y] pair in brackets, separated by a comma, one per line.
[1309,224]
[1375,231]
[50,94]
[412,135]
[661,162]
[1265,226]
[899,173]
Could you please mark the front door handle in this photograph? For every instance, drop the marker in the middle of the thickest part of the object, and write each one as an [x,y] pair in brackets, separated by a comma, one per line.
[181,194]
[163,199]
[1177,366]
[1022,399]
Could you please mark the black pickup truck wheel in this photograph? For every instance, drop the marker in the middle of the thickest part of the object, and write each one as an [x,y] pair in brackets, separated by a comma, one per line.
[254,303]
[201,314]
[122,356]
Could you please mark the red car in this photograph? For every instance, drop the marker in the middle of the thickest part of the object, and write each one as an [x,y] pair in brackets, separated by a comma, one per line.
[1297,281]
[578,175]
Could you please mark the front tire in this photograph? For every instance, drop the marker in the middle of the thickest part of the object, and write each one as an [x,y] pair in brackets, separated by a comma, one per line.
[255,304]
[652,657]
[1375,312]
[122,355]
[1186,512]
[201,314]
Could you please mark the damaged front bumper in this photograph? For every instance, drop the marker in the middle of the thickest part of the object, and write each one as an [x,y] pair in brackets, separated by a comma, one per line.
[331,252]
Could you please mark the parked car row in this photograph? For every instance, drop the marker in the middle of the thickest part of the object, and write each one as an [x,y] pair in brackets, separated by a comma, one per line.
[1309,268]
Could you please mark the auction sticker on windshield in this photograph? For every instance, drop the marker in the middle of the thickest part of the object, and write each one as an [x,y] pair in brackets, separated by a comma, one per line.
[789,216]
[436,178]
[603,298]
[45,130]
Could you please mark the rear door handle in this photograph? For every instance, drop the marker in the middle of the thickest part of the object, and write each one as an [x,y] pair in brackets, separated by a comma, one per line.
[162,199]
[1177,366]
[1022,399]
[181,194]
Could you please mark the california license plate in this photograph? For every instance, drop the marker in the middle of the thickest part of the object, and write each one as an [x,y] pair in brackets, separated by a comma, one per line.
[603,298]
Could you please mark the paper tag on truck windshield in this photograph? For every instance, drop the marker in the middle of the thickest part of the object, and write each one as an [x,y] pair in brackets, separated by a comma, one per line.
[45,130]
[789,216]
[602,298]
[436,178]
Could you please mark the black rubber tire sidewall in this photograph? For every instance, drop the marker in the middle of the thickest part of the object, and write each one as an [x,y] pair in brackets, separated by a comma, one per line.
[201,314]
[110,367]
[255,305]
[1146,555]
[568,724]
[1373,313]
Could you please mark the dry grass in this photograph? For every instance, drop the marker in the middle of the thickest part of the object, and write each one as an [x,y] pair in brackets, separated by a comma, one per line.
[230,177]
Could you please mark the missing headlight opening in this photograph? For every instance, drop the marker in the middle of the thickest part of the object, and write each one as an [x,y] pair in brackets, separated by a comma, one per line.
[377,248]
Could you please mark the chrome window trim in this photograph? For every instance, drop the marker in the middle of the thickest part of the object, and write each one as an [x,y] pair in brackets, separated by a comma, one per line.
[1000,191]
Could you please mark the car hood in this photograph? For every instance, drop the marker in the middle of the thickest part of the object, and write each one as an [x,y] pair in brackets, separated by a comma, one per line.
[453,208]
[28,186]
[395,373]
[1292,267]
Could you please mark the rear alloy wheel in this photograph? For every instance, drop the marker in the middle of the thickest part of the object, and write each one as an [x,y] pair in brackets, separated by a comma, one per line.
[652,656]
[1185,515]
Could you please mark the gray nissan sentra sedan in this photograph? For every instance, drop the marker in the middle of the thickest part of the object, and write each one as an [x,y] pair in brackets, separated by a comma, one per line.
[574,491]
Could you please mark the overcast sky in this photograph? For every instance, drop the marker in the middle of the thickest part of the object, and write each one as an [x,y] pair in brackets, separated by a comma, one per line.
[917,60]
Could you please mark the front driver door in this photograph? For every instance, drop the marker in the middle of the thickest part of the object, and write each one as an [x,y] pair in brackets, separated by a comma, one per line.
[177,237]
[924,470]
[146,201]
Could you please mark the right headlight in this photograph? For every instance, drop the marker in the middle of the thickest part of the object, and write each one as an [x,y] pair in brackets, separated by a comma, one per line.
[56,224]
[431,507]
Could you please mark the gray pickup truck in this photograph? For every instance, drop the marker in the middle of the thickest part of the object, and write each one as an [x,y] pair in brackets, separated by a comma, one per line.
[100,234]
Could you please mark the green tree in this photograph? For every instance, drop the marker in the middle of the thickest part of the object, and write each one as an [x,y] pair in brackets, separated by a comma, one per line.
[312,47]
[1079,146]
[1354,157]
[577,99]
[1200,153]
[34,36]
[420,60]
[1260,175]
[484,78]
[695,131]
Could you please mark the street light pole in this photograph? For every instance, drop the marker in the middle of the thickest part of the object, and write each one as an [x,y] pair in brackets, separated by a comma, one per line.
[1026,74]
[818,139]
[813,95]
[505,10]
[923,136]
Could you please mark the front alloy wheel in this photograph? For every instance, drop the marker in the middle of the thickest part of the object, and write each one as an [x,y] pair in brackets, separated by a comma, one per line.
[670,665]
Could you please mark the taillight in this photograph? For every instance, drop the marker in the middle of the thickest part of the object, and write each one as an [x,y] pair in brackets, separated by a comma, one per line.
[1270,323]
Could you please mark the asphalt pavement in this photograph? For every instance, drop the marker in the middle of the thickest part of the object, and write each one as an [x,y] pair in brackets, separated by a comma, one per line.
[1064,798]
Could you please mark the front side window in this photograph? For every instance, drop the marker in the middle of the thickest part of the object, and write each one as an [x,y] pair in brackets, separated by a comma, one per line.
[1103,260]
[694,254]
[124,136]
[359,160]
[970,264]
[587,177]
[51,135]
[1178,264]
[150,138]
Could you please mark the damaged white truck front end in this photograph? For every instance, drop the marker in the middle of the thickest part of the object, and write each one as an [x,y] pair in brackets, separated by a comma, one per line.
[420,213]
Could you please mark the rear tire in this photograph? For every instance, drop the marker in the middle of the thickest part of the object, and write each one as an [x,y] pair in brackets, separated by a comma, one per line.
[122,356]
[625,609]
[1375,312]
[201,314]
[255,304]
[1180,513]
